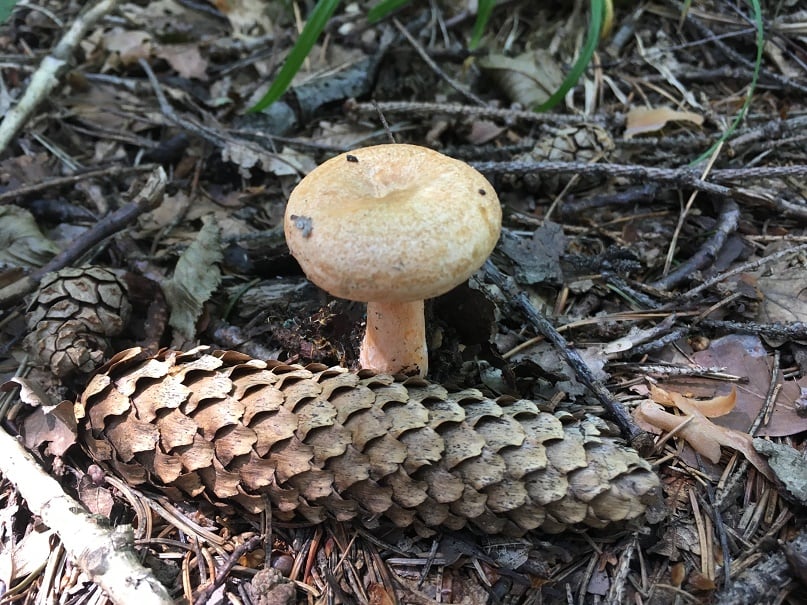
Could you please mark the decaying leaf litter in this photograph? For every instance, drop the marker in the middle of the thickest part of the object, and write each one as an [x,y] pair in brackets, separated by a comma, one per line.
[138,175]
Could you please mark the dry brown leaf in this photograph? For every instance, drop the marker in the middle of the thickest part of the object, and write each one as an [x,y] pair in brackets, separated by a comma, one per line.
[129,46]
[700,433]
[744,355]
[185,59]
[641,120]
[56,427]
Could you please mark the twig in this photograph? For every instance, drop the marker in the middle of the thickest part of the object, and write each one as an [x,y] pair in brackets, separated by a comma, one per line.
[211,135]
[63,181]
[429,109]
[762,582]
[436,68]
[222,571]
[749,266]
[102,554]
[683,177]
[639,439]
[727,223]
[46,77]
[148,198]
[738,58]
[796,330]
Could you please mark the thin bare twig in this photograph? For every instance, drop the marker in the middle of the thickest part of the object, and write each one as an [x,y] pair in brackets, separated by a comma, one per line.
[727,222]
[429,109]
[638,438]
[749,266]
[222,571]
[682,177]
[436,68]
[148,198]
[46,77]
[63,181]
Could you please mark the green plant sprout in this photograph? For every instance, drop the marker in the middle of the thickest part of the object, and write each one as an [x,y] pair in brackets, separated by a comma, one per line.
[6,6]
[318,19]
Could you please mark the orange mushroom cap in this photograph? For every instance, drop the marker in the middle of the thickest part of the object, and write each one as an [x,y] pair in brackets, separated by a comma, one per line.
[392,223]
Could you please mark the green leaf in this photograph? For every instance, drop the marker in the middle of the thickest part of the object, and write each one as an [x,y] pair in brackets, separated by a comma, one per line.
[316,23]
[384,8]
[592,39]
[6,6]
[483,12]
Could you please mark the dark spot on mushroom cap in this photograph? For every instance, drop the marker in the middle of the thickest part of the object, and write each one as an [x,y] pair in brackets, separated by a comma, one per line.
[352,158]
[303,223]
[482,192]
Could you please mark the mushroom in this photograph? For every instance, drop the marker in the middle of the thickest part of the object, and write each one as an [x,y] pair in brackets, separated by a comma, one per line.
[392,225]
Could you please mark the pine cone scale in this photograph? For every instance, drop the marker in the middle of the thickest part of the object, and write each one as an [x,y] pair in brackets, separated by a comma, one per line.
[318,442]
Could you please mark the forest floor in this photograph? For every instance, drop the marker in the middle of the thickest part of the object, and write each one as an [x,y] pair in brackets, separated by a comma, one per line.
[651,273]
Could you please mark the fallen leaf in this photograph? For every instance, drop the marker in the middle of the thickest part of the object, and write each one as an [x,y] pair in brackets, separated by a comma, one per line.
[784,296]
[97,499]
[246,16]
[196,276]
[56,427]
[185,59]
[528,79]
[743,355]
[641,120]
[128,45]
[32,552]
[704,436]
[22,244]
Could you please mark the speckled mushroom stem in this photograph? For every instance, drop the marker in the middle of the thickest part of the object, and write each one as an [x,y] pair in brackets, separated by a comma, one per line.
[395,340]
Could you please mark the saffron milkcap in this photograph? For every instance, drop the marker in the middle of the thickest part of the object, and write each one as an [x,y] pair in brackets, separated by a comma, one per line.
[392,225]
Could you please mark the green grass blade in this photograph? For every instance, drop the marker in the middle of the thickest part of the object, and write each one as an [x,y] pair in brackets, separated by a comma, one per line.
[592,39]
[317,21]
[483,12]
[384,8]
[751,89]
[6,6]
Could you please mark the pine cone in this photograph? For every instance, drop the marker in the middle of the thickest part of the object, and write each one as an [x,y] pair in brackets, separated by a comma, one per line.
[583,143]
[71,317]
[320,441]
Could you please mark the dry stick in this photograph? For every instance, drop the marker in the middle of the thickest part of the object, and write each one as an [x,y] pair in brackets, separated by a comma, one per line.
[429,109]
[222,571]
[211,135]
[749,266]
[106,557]
[46,77]
[727,222]
[148,198]
[434,67]
[63,181]
[683,177]
[738,58]
[762,582]
[639,439]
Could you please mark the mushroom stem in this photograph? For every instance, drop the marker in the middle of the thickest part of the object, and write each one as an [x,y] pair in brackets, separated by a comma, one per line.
[395,340]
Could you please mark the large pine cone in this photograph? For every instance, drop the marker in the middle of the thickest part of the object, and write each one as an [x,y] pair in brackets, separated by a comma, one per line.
[72,316]
[321,441]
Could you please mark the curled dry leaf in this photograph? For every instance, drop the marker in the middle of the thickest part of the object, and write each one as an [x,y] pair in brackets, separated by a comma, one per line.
[694,426]
[641,120]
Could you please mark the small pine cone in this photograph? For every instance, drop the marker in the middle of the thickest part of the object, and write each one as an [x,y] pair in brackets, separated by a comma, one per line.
[321,441]
[71,317]
[583,143]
